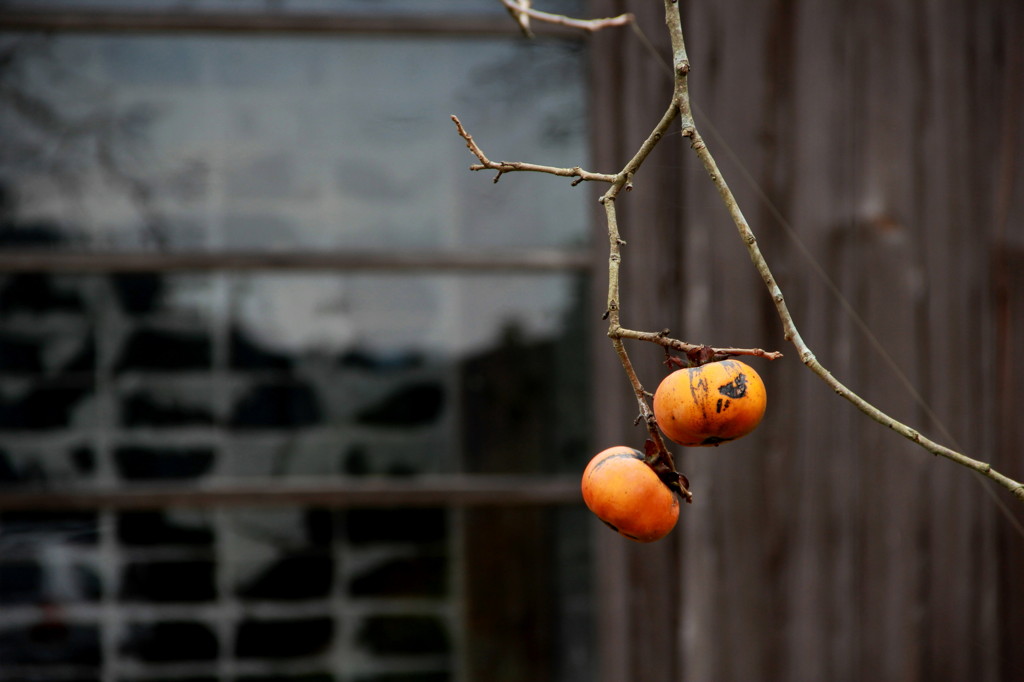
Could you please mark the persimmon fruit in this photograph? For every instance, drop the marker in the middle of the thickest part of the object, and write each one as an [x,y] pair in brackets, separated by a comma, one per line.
[626,493]
[710,404]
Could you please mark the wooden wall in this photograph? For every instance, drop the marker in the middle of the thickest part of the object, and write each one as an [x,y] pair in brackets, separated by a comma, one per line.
[890,136]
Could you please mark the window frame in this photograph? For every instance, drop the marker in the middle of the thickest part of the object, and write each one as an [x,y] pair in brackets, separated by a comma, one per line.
[507,509]
[449,490]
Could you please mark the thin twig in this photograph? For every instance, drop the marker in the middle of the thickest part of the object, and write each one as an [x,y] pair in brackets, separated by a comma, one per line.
[790,331]
[663,339]
[512,166]
[518,9]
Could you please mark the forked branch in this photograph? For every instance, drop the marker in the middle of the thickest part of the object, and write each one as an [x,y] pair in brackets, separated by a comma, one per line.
[659,457]
[657,454]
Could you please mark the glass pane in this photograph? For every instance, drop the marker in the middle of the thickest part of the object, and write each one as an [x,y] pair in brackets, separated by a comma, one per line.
[298,590]
[146,377]
[218,142]
[164,142]
[206,379]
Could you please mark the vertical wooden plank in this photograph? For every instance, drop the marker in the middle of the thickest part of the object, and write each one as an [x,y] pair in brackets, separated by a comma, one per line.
[1008,292]
[1008,289]
[1008,275]
[823,633]
[954,219]
[880,280]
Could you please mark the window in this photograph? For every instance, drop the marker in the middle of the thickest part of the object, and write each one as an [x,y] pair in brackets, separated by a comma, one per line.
[286,391]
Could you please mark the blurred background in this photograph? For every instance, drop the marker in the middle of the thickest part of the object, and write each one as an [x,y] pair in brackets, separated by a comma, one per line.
[242,247]
[288,393]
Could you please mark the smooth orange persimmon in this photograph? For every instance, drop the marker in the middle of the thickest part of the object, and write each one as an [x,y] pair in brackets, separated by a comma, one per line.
[625,493]
[710,404]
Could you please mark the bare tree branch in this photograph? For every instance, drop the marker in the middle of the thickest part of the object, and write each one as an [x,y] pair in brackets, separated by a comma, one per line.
[523,12]
[657,454]
[510,166]
[662,338]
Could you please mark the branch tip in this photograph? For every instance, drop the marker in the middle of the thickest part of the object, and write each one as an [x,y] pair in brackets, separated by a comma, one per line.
[522,12]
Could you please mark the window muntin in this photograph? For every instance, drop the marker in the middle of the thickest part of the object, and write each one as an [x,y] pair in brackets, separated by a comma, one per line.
[385,7]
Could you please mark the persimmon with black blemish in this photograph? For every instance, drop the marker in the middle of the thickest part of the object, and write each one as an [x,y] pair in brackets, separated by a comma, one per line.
[711,404]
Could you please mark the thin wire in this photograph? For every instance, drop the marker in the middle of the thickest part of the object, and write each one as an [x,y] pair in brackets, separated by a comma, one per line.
[830,284]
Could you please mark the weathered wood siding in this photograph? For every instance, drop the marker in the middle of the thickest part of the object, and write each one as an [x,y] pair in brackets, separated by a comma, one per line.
[890,134]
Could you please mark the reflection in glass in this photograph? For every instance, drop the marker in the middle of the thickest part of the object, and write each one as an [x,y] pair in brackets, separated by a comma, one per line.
[331,374]
[213,142]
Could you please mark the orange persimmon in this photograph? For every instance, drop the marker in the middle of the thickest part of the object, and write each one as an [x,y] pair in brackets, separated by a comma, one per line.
[710,404]
[625,492]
